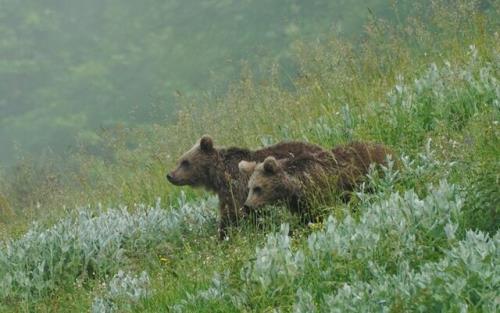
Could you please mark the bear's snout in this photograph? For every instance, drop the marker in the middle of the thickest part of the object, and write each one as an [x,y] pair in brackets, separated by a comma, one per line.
[170,177]
[177,179]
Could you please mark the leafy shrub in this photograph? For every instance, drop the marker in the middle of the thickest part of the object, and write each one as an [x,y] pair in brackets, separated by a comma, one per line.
[90,246]
[465,279]
[443,97]
[124,290]
[402,254]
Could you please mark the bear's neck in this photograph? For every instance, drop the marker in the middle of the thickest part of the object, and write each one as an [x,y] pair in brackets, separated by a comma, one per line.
[226,167]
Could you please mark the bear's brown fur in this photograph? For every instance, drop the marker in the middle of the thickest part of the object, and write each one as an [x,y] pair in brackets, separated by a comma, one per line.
[353,162]
[295,180]
[216,169]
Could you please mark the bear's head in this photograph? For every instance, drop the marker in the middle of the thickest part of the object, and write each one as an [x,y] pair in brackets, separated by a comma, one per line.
[194,166]
[268,183]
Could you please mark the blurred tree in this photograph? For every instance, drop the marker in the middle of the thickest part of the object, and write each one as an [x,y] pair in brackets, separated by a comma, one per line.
[72,66]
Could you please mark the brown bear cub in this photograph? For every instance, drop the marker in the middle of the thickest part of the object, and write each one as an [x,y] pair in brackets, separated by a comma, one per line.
[296,180]
[216,169]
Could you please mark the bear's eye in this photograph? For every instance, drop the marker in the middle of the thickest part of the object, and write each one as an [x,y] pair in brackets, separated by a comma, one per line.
[185,163]
[257,190]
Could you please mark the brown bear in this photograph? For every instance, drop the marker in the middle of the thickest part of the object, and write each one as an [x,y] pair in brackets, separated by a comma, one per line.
[216,169]
[295,180]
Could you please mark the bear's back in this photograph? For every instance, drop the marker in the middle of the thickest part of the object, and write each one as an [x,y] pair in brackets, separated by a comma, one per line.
[360,155]
[286,149]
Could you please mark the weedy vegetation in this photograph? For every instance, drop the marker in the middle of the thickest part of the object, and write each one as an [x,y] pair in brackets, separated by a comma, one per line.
[424,239]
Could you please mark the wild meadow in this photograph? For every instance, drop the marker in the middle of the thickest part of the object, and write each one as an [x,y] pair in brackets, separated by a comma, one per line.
[101,230]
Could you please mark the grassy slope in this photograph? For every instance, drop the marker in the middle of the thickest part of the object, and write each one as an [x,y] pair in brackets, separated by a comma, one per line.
[342,93]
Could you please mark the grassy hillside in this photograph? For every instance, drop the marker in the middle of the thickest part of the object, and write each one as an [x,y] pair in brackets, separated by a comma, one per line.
[425,240]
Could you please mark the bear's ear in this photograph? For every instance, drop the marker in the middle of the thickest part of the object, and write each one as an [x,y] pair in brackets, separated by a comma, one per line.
[270,165]
[246,167]
[206,143]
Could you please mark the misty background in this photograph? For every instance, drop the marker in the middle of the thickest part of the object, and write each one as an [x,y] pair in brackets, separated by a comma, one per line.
[69,69]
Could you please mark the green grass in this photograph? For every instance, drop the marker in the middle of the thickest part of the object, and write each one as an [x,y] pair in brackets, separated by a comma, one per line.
[429,88]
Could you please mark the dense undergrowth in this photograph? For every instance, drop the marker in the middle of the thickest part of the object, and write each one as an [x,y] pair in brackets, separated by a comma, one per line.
[426,240]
